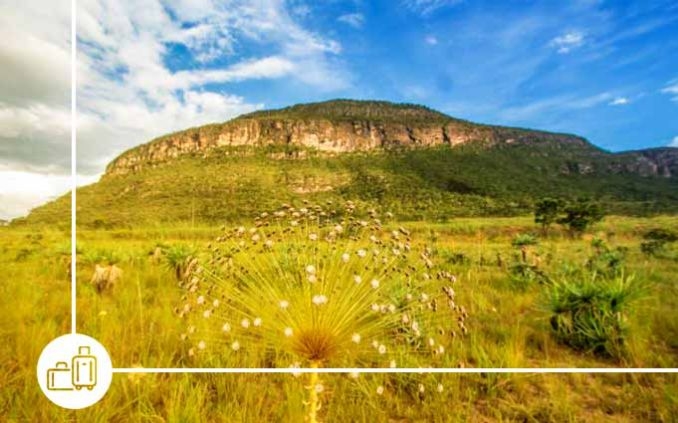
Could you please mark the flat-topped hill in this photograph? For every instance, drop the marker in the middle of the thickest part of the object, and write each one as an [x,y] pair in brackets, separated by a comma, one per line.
[408,159]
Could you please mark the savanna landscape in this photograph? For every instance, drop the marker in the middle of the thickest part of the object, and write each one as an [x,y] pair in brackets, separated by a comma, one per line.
[284,239]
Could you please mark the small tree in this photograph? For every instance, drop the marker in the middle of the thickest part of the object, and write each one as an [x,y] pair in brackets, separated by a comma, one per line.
[546,212]
[580,215]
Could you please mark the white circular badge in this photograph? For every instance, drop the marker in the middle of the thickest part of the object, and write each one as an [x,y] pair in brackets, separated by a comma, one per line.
[74,371]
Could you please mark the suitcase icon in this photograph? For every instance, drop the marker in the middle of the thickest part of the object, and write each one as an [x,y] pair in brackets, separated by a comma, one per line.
[59,377]
[84,369]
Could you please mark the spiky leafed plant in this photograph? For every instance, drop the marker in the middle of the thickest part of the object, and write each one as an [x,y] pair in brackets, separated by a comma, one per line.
[605,260]
[524,241]
[318,287]
[178,258]
[590,313]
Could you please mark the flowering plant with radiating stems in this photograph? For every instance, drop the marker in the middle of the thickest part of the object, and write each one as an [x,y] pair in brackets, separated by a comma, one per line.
[317,287]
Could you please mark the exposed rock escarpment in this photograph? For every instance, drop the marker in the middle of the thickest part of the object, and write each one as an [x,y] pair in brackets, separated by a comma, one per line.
[344,126]
[322,135]
[661,161]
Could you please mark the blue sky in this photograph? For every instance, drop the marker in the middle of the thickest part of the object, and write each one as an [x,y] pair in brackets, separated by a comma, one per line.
[606,70]
[603,69]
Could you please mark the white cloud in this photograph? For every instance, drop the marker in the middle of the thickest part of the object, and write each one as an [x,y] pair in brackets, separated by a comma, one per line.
[558,103]
[619,101]
[127,92]
[567,42]
[356,20]
[269,67]
[25,190]
[426,7]
[301,10]
[671,89]
[674,142]
[431,40]
[21,191]
[28,122]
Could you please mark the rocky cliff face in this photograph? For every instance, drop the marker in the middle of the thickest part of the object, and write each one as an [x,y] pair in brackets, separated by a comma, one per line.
[321,135]
[346,126]
[655,161]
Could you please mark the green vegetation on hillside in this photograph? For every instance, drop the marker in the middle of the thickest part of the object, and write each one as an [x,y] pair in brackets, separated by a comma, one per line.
[232,184]
[379,114]
[357,110]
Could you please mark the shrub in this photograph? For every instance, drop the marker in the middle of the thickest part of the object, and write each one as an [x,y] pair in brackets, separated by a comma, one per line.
[178,259]
[580,215]
[101,256]
[23,254]
[606,261]
[523,241]
[524,275]
[455,257]
[546,212]
[656,241]
[589,314]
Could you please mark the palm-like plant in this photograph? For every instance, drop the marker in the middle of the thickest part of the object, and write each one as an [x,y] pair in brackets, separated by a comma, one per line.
[311,288]
[590,313]
[523,242]
[177,258]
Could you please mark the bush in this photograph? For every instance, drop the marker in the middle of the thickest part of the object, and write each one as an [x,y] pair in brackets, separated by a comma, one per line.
[546,212]
[589,314]
[523,241]
[580,215]
[524,275]
[656,241]
[101,256]
[456,257]
[606,261]
[178,259]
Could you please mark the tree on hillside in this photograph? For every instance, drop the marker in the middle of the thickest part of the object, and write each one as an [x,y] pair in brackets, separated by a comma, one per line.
[580,215]
[546,212]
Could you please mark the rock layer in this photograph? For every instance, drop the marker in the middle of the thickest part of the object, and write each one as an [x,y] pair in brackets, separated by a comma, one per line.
[345,126]
[323,135]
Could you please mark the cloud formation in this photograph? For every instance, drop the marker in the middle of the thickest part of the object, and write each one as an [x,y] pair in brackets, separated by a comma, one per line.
[619,101]
[567,42]
[129,90]
[356,20]
[147,67]
[427,7]
[557,103]
[431,40]
[671,89]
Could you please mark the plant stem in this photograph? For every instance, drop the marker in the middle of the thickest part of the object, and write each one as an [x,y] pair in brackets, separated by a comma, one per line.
[313,403]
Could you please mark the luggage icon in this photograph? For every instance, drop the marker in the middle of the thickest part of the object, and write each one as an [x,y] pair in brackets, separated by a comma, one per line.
[59,377]
[84,369]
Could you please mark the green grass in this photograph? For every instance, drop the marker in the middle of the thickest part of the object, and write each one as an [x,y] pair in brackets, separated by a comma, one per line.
[507,327]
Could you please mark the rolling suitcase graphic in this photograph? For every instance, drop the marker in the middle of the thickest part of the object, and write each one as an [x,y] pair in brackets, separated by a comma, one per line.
[59,378]
[84,369]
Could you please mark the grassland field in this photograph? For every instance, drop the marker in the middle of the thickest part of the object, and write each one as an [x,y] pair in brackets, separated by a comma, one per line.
[508,327]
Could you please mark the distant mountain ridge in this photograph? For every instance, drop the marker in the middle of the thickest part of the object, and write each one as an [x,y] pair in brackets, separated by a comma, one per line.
[408,159]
